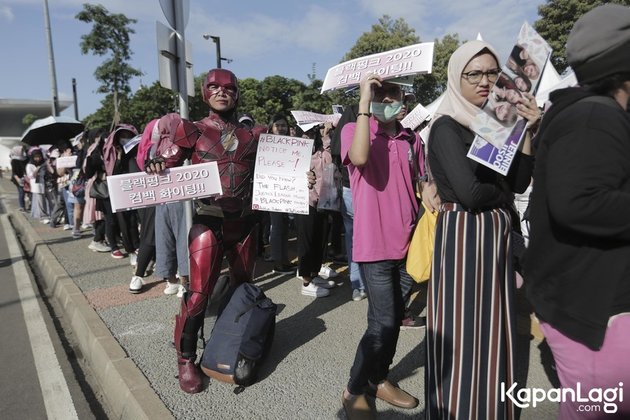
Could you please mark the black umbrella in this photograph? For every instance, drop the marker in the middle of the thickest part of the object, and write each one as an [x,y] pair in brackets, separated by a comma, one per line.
[51,130]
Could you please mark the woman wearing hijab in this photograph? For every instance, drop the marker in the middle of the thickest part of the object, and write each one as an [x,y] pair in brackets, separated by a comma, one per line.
[470,309]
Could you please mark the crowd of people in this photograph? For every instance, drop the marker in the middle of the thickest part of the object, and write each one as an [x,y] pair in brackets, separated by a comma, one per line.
[576,275]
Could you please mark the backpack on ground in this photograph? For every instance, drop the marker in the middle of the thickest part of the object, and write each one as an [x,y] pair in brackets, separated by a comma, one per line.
[241,337]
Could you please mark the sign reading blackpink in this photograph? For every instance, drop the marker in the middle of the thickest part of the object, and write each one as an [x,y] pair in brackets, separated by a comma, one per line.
[280,182]
[139,189]
[406,61]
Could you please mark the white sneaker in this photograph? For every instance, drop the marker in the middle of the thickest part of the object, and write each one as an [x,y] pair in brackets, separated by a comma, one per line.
[136,284]
[326,272]
[44,221]
[314,291]
[99,247]
[133,259]
[326,284]
[67,227]
[181,291]
[171,288]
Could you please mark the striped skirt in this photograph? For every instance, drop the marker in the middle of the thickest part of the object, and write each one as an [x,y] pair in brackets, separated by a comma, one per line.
[470,316]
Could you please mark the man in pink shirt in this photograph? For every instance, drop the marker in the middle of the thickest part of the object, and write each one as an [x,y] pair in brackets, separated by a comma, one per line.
[377,151]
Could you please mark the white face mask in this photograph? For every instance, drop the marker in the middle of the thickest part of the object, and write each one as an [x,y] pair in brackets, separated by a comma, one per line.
[385,112]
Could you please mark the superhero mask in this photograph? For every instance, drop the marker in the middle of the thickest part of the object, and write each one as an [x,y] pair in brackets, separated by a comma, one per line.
[219,80]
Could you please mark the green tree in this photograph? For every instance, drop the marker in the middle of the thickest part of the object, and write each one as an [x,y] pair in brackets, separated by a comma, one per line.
[147,103]
[29,119]
[197,108]
[556,18]
[428,87]
[310,99]
[109,35]
[387,35]
[390,34]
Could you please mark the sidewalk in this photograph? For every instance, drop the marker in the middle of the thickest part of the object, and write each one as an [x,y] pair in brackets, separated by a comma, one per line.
[127,339]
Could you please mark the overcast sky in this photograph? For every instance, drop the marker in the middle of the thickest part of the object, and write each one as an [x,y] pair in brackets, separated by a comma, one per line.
[263,38]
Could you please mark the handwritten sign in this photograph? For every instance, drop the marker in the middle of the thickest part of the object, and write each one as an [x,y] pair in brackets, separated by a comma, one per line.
[416,117]
[66,162]
[406,61]
[280,183]
[139,189]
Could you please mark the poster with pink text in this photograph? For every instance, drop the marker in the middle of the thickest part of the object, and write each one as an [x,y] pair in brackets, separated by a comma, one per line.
[139,189]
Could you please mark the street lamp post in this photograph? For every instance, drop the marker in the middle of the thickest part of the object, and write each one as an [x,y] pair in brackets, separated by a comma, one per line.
[217,41]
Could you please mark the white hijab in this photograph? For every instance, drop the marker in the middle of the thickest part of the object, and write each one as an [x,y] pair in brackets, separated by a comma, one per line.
[454,104]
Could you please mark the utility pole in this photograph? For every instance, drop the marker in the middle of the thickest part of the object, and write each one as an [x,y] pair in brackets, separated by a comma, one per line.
[51,62]
[74,96]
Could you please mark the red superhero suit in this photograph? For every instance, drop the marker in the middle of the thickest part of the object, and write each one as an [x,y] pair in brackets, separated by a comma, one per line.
[222,226]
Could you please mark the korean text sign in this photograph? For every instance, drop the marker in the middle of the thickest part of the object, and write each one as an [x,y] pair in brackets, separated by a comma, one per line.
[410,60]
[139,189]
[280,181]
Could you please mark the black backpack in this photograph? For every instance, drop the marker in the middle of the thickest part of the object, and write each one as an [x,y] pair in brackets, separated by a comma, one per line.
[241,337]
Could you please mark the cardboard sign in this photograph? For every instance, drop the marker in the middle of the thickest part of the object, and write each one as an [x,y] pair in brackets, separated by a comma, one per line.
[139,189]
[416,117]
[406,61]
[66,162]
[307,120]
[280,181]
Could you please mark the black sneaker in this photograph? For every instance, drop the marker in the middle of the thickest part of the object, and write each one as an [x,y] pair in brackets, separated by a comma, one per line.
[284,268]
[413,323]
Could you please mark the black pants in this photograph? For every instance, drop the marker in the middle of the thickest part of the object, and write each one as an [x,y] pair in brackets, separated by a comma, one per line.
[146,251]
[128,225]
[311,240]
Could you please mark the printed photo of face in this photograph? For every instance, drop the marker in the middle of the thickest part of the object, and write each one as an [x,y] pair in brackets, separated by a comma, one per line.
[521,84]
[504,94]
[531,70]
[502,111]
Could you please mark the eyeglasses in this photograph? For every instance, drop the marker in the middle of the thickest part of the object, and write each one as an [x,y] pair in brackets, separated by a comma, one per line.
[215,89]
[474,77]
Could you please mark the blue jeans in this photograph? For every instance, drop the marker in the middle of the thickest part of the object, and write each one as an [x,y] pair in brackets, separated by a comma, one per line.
[387,284]
[21,197]
[347,212]
[171,240]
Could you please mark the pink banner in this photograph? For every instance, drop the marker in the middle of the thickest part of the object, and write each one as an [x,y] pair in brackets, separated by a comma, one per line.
[139,189]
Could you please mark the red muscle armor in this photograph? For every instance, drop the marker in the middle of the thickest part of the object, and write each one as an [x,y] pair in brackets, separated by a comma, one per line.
[236,168]
[177,137]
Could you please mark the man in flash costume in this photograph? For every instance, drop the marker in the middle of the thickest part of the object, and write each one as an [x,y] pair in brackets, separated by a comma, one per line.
[222,225]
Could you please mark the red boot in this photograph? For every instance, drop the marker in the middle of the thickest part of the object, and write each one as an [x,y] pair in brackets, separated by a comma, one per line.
[190,376]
